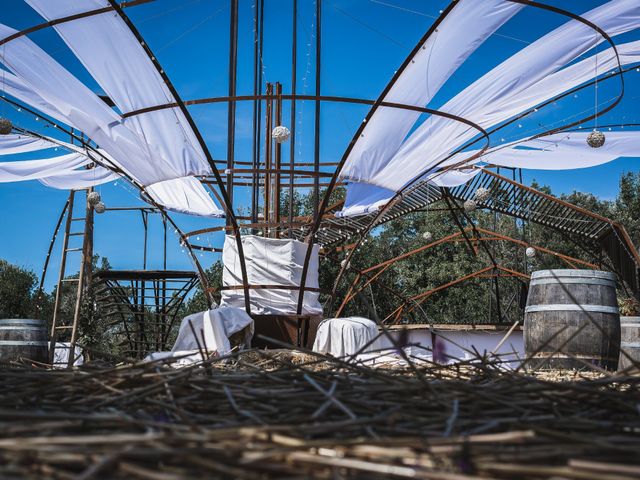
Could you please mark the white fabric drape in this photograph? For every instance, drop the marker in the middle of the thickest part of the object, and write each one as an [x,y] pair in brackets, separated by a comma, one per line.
[20,143]
[37,169]
[565,151]
[130,79]
[484,100]
[346,336]
[270,261]
[44,84]
[184,195]
[217,326]
[77,179]
[461,32]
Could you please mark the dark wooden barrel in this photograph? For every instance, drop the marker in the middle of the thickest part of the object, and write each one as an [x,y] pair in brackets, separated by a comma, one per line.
[570,315]
[629,342]
[23,339]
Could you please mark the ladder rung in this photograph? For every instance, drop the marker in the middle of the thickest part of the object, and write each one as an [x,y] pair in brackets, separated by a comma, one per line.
[79,249]
[63,327]
[75,234]
[70,280]
[78,219]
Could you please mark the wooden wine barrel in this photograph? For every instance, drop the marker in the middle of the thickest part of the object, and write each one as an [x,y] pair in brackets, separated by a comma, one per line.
[23,339]
[629,342]
[570,315]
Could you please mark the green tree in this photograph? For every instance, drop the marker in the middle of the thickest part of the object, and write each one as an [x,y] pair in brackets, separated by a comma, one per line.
[17,291]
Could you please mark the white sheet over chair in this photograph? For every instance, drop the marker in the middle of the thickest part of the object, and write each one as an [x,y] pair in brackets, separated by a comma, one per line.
[19,143]
[77,179]
[270,261]
[36,169]
[213,329]
[345,336]
[458,36]
[184,195]
[482,102]
[108,49]
[565,151]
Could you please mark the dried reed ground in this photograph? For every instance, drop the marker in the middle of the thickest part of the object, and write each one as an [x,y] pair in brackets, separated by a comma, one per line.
[282,414]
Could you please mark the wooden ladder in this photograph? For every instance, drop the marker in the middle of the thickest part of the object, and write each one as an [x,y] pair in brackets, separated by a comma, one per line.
[75,226]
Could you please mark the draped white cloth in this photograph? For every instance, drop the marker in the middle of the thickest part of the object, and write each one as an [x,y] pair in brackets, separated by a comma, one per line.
[213,327]
[44,84]
[346,336]
[130,79]
[270,261]
[461,32]
[19,143]
[37,169]
[566,151]
[484,101]
[77,179]
[184,195]
[363,198]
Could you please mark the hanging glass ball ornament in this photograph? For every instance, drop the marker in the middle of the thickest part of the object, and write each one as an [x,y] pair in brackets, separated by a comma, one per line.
[470,206]
[5,126]
[482,194]
[99,207]
[595,139]
[280,134]
[344,264]
[93,198]
[427,236]
[530,252]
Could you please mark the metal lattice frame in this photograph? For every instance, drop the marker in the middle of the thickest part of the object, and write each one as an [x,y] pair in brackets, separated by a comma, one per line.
[141,306]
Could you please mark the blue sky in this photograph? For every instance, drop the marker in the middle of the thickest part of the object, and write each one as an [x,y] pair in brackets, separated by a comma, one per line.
[364,41]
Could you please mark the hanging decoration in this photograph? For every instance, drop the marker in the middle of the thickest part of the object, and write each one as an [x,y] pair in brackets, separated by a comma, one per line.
[344,264]
[427,236]
[280,134]
[530,252]
[99,207]
[470,206]
[93,198]
[596,139]
[482,194]
[5,126]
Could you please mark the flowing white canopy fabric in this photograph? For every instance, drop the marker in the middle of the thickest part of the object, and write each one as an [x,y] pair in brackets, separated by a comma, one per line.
[461,32]
[130,79]
[18,143]
[184,195]
[37,169]
[483,101]
[565,151]
[44,84]
[77,179]
[519,83]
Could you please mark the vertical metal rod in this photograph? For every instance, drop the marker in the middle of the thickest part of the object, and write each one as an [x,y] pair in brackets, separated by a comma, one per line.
[316,148]
[257,108]
[294,77]
[231,108]
[145,224]
[278,160]
[267,161]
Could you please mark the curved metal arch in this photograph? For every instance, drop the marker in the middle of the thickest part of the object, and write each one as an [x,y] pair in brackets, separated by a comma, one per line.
[373,273]
[106,163]
[227,205]
[398,195]
[417,300]
[70,18]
